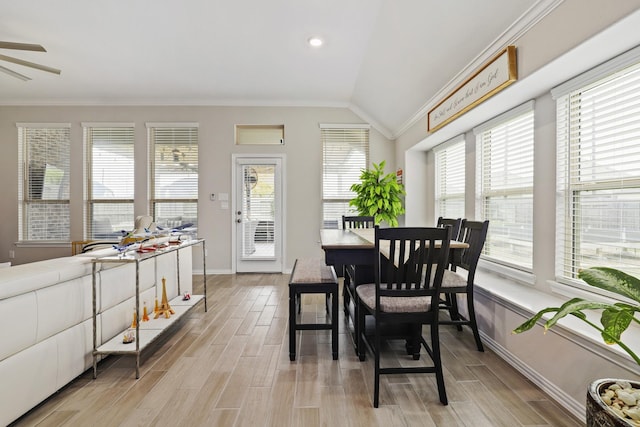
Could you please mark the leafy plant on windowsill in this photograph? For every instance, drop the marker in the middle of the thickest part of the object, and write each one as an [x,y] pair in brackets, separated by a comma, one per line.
[615,318]
[378,195]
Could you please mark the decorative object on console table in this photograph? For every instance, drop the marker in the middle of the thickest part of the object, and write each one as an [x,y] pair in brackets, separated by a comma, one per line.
[129,336]
[134,322]
[615,319]
[145,313]
[164,309]
[378,195]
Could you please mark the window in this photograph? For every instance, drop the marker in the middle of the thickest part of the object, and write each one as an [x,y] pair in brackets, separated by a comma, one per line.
[345,153]
[43,185]
[173,175]
[109,184]
[505,186]
[450,166]
[598,206]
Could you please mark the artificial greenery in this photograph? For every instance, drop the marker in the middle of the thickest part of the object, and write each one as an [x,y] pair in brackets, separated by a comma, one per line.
[615,318]
[378,195]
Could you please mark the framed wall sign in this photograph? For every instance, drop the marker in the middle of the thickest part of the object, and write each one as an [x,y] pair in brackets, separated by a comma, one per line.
[491,78]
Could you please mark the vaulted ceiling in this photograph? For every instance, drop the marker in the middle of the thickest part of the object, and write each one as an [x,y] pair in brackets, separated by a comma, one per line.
[385,59]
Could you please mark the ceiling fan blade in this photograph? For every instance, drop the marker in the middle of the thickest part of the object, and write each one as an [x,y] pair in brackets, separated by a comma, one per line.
[14,74]
[29,64]
[22,46]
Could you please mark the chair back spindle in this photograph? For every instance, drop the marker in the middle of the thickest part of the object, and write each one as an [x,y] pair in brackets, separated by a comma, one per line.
[349,222]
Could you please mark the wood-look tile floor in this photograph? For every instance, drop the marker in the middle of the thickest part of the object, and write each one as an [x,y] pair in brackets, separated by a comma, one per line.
[230,367]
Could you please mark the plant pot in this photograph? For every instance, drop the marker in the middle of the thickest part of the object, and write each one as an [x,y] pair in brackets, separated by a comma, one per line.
[598,412]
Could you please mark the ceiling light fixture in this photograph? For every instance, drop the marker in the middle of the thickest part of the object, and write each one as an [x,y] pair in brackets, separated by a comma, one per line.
[315,41]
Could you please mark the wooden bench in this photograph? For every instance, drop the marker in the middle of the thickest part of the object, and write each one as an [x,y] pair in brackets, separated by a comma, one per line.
[312,276]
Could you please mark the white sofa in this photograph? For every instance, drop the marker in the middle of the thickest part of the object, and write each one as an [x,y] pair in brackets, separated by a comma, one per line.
[46,313]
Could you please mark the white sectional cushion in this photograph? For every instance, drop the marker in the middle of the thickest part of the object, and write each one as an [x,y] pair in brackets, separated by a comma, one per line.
[148,273]
[75,349]
[186,269]
[73,267]
[166,267]
[117,285]
[119,282]
[63,306]
[148,296]
[24,278]
[27,378]
[116,319]
[19,320]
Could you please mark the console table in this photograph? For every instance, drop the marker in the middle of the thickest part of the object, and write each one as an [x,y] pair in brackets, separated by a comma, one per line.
[145,332]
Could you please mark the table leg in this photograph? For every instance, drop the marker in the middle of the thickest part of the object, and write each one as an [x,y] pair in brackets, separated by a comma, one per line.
[292,324]
[334,323]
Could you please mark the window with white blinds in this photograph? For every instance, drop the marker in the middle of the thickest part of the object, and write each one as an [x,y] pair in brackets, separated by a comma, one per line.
[598,143]
[345,153]
[505,186]
[109,173]
[43,185]
[450,178]
[173,183]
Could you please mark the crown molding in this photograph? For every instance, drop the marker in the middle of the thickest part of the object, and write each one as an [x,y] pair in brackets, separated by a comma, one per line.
[374,123]
[523,24]
[169,102]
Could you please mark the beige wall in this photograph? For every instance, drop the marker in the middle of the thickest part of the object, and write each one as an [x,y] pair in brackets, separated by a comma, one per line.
[302,148]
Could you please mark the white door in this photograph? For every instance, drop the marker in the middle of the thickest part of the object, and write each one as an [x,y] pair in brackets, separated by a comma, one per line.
[258,214]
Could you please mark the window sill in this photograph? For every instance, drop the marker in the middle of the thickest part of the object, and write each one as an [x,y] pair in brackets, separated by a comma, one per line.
[42,244]
[506,272]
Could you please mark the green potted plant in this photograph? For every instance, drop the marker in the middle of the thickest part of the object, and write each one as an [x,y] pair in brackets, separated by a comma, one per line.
[614,320]
[378,195]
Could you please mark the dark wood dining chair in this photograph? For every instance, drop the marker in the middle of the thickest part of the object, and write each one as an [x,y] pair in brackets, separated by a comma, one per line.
[406,295]
[455,224]
[357,222]
[474,233]
[348,271]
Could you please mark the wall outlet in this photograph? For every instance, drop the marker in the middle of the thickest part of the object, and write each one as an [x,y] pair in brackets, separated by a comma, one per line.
[12,254]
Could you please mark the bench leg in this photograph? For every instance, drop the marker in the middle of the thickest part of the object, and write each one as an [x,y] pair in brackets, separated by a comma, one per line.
[292,323]
[334,323]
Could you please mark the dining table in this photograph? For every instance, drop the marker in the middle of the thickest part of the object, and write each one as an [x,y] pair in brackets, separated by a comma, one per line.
[354,251]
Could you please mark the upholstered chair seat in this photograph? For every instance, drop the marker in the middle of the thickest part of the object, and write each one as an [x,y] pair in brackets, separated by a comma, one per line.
[367,295]
[452,279]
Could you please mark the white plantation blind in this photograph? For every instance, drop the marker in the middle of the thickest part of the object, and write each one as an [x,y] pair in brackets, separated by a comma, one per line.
[345,153]
[174,174]
[505,186]
[110,173]
[43,185]
[598,206]
[450,178]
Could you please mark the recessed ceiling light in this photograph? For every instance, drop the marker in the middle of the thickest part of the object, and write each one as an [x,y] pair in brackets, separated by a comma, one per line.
[315,41]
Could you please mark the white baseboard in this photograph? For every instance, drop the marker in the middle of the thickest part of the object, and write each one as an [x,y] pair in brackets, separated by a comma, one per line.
[578,409]
[210,271]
